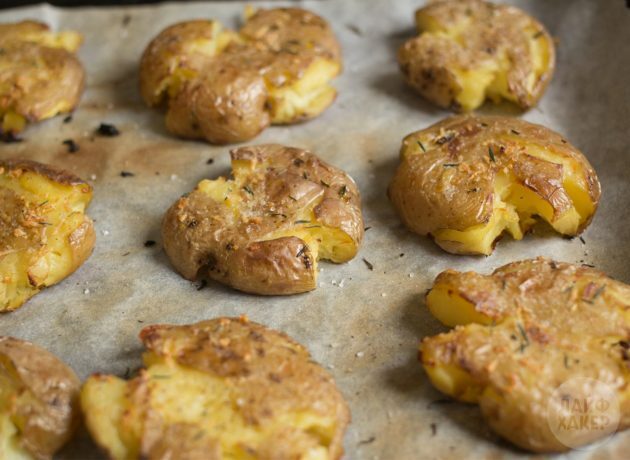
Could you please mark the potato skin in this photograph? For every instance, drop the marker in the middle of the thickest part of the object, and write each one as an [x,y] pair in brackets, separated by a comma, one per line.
[430,62]
[547,322]
[267,375]
[224,105]
[46,396]
[224,86]
[39,77]
[29,225]
[262,251]
[446,176]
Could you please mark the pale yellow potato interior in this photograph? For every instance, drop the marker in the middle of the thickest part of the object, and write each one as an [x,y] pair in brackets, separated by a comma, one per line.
[451,309]
[515,207]
[325,243]
[307,96]
[24,272]
[201,400]
[488,79]
[10,448]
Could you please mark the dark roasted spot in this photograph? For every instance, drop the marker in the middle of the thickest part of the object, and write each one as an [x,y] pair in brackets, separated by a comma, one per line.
[71,145]
[10,138]
[107,130]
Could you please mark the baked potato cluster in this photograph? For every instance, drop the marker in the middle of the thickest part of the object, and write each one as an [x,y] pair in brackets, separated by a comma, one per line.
[468,179]
[264,230]
[39,401]
[227,87]
[522,332]
[472,50]
[45,234]
[40,74]
[224,388]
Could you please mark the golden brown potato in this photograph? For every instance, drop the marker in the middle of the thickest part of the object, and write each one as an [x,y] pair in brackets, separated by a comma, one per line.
[264,230]
[39,398]
[226,87]
[472,50]
[521,333]
[40,76]
[44,232]
[466,180]
[218,389]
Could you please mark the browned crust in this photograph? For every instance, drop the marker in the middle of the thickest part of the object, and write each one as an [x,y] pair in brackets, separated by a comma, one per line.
[428,61]
[203,238]
[60,176]
[272,373]
[451,185]
[551,322]
[16,30]
[50,415]
[39,77]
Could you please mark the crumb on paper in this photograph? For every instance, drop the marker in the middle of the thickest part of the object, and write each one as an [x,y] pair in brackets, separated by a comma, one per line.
[359,354]
[86,291]
[105,232]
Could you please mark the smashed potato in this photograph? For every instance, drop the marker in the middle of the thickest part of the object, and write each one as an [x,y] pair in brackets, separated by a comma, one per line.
[39,398]
[40,75]
[218,389]
[522,332]
[466,180]
[227,87]
[264,230]
[472,50]
[44,232]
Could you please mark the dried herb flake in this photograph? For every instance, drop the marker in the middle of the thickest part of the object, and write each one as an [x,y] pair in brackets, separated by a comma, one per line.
[368,264]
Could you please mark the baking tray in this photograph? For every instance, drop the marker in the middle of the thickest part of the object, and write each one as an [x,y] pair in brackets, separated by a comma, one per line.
[363,325]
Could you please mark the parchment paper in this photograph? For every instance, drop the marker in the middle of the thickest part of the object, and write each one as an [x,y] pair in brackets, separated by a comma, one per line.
[363,325]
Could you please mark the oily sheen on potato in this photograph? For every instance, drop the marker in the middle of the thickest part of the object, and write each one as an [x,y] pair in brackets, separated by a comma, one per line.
[469,51]
[521,333]
[40,75]
[264,230]
[218,389]
[45,234]
[225,86]
[39,401]
[467,180]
